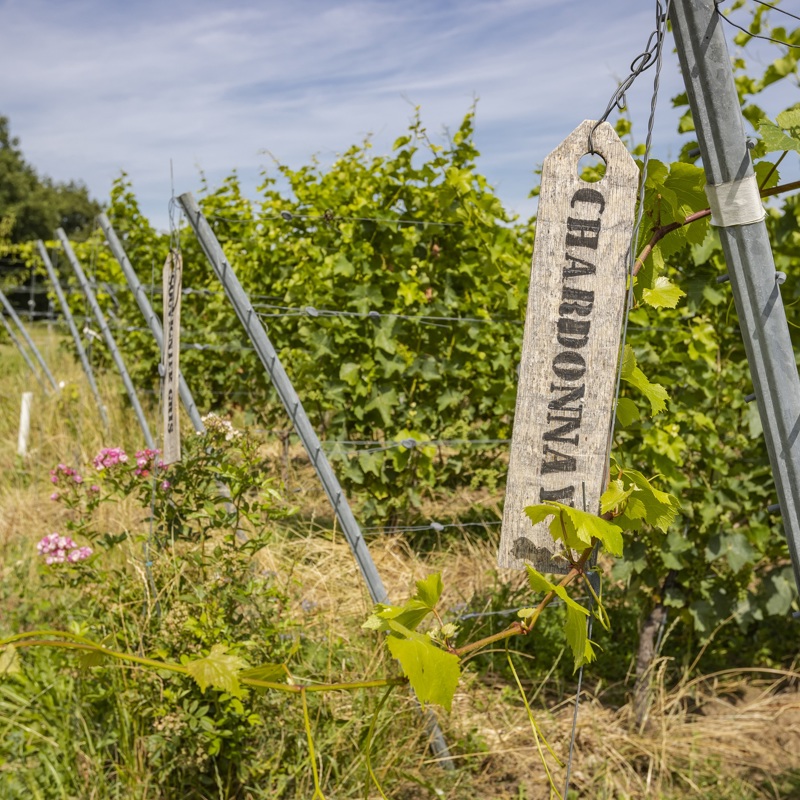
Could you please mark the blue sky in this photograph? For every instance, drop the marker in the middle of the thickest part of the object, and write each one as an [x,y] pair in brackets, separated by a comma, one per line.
[94,87]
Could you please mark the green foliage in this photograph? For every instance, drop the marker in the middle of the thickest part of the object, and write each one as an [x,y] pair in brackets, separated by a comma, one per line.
[426,275]
[719,558]
[32,207]
[432,672]
[575,625]
[577,529]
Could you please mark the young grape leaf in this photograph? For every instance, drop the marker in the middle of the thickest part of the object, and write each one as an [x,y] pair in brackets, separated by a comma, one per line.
[408,615]
[575,629]
[430,589]
[218,669]
[432,672]
[774,138]
[589,527]
[660,508]
[614,496]
[537,581]
[654,392]
[627,412]
[664,294]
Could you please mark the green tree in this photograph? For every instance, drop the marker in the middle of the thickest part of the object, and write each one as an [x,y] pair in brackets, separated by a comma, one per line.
[33,206]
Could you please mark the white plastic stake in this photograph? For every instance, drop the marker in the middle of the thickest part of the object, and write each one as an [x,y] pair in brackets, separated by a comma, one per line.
[24,424]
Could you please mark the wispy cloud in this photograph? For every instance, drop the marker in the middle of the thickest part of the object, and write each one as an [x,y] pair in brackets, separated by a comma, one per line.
[100,87]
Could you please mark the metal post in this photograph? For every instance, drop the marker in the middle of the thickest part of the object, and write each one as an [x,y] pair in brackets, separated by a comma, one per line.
[18,343]
[291,402]
[112,345]
[149,314]
[87,367]
[23,330]
[710,86]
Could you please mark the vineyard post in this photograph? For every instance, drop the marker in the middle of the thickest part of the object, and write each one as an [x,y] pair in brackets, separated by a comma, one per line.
[149,314]
[738,215]
[108,336]
[87,367]
[23,352]
[23,330]
[291,402]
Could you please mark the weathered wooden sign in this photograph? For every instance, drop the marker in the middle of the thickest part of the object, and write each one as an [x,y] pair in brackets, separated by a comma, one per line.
[172,277]
[559,447]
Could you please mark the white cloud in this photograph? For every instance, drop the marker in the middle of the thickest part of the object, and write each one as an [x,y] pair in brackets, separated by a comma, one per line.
[100,87]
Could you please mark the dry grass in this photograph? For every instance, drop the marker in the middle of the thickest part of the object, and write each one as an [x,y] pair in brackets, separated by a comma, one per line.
[707,737]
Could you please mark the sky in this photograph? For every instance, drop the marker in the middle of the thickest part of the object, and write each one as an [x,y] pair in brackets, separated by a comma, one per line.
[167,90]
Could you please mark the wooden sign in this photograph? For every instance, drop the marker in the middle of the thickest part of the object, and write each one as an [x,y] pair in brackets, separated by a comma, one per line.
[172,277]
[570,349]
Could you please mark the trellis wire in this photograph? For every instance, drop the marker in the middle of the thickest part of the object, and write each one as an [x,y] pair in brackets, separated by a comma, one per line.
[757,35]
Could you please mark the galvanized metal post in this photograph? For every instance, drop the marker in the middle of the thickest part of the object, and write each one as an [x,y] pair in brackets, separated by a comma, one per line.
[25,335]
[23,352]
[87,367]
[706,67]
[149,314]
[291,402]
[108,336]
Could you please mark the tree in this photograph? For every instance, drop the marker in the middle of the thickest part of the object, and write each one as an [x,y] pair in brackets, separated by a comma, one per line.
[31,206]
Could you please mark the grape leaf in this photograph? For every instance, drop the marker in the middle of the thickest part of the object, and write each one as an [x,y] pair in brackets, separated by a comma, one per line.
[654,392]
[432,672]
[537,581]
[575,626]
[614,496]
[627,412]
[577,529]
[575,629]
[660,508]
[408,615]
[589,527]
[218,669]
[430,589]
[664,294]
[774,138]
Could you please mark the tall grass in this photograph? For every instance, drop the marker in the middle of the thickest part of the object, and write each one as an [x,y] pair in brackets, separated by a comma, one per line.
[102,732]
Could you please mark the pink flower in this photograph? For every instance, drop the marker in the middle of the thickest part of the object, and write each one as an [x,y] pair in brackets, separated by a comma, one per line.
[94,488]
[145,459]
[78,479]
[58,549]
[109,457]
[165,485]
[54,496]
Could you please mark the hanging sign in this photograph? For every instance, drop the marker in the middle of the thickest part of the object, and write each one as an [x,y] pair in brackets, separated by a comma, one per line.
[567,378]
[173,269]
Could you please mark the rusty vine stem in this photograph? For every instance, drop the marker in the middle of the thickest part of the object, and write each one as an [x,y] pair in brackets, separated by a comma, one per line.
[660,232]
[522,628]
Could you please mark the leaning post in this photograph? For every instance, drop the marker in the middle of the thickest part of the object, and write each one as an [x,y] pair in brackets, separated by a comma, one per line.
[738,215]
[149,314]
[76,337]
[291,402]
[23,330]
[108,336]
